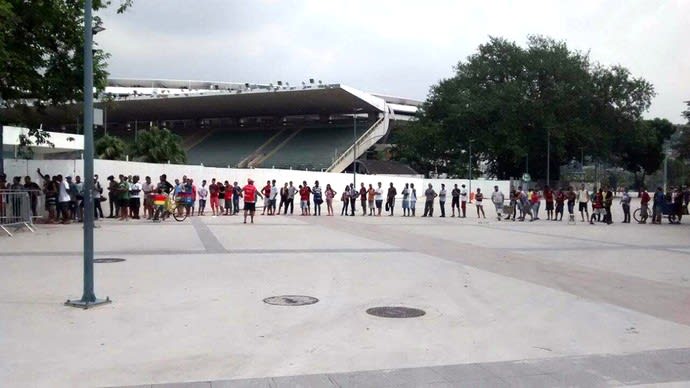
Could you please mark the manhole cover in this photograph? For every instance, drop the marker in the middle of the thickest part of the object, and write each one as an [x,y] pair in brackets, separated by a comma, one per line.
[108,260]
[395,312]
[291,300]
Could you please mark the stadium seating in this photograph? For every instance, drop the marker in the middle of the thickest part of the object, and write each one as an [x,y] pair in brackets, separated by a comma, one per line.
[228,147]
[313,148]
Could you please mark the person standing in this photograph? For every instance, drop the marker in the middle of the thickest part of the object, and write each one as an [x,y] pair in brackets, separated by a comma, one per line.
[135,197]
[249,192]
[203,195]
[535,199]
[597,206]
[236,195]
[318,198]
[283,198]
[34,191]
[560,201]
[583,200]
[379,199]
[266,191]
[548,196]
[123,193]
[330,194]
[463,201]
[304,194]
[442,200]
[429,196]
[229,198]
[113,197]
[659,200]
[291,198]
[371,197]
[608,202]
[406,200]
[214,191]
[413,199]
[345,198]
[147,189]
[478,199]
[354,193]
[644,206]
[497,198]
[392,192]
[455,200]
[571,196]
[625,203]
[363,198]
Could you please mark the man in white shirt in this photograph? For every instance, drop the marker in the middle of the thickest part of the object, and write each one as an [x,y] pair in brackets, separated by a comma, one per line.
[463,200]
[497,198]
[442,200]
[272,197]
[583,199]
[63,200]
[203,194]
[135,197]
[292,190]
[379,199]
[148,187]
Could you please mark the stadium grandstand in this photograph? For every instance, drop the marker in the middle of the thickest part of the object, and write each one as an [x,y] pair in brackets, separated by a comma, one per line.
[313,125]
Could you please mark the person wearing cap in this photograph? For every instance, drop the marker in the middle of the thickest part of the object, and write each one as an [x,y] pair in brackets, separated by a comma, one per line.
[249,192]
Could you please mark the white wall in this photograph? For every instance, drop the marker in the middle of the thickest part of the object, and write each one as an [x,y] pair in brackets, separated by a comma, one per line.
[338,181]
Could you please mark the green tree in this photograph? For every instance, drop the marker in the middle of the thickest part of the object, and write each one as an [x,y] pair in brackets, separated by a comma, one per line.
[509,100]
[641,151]
[110,148]
[41,52]
[682,145]
[159,146]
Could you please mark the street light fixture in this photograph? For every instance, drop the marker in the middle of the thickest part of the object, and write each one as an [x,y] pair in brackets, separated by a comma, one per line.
[88,298]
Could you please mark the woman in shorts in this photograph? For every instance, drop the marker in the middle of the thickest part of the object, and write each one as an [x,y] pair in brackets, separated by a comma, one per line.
[330,194]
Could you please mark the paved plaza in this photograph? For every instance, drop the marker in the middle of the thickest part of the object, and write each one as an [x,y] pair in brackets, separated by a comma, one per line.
[506,303]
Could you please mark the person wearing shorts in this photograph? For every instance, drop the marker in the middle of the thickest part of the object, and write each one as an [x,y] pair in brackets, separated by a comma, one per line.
[213,194]
[497,198]
[379,199]
[583,199]
[249,193]
[371,196]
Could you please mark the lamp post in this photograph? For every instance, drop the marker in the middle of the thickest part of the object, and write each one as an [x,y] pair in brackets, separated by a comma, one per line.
[88,298]
[469,168]
[354,146]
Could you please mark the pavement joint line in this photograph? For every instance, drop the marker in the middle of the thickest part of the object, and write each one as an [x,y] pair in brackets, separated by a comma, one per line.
[645,367]
[205,252]
[655,298]
[207,238]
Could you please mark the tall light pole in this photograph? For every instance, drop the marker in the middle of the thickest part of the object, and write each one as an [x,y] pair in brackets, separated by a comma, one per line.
[88,298]
[548,154]
[354,146]
[469,168]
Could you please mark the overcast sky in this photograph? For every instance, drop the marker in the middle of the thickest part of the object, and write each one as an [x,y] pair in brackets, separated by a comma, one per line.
[392,47]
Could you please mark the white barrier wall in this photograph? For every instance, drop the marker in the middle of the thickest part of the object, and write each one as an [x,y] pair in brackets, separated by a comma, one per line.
[104,168]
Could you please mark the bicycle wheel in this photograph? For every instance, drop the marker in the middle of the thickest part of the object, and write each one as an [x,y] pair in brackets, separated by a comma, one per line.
[637,215]
[180,213]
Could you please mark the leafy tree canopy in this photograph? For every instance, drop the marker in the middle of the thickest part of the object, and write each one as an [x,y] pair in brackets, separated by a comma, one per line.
[159,146]
[507,99]
[111,148]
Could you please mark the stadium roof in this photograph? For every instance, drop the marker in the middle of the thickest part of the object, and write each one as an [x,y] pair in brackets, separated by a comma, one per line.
[141,99]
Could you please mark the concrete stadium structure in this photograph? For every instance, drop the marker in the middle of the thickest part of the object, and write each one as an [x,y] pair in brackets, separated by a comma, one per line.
[315,126]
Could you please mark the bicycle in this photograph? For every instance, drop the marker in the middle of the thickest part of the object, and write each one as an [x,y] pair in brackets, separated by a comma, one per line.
[170,205]
[667,210]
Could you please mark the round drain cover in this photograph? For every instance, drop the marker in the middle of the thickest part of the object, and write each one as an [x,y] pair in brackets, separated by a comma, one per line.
[291,300]
[395,312]
[108,260]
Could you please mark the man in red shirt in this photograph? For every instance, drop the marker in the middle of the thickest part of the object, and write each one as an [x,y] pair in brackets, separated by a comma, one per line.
[304,193]
[213,193]
[266,191]
[249,192]
[548,196]
[228,197]
[644,206]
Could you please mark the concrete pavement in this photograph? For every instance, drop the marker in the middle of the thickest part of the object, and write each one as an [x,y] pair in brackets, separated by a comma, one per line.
[599,302]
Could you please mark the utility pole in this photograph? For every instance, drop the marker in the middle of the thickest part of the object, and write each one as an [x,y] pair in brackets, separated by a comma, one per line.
[88,298]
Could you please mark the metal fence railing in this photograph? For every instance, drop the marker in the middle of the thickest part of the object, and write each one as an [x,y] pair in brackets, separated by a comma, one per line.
[15,211]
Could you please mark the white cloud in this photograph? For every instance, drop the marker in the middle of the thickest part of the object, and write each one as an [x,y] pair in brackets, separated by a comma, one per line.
[394,47]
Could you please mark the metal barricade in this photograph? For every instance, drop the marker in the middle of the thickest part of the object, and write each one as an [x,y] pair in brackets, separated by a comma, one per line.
[15,211]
